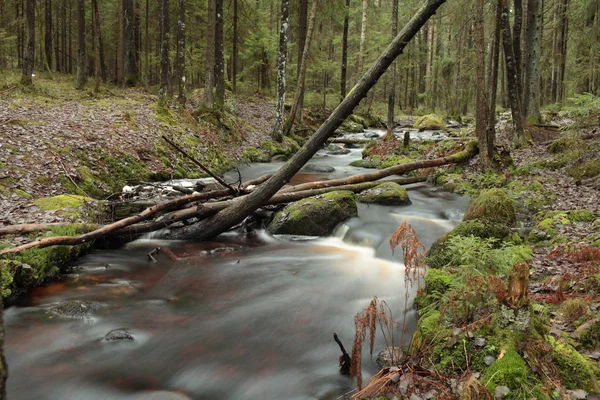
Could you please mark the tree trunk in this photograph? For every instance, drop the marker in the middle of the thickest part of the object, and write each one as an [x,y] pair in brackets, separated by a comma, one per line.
[164,51]
[533,48]
[81,46]
[302,34]
[240,210]
[120,66]
[392,72]
[48,35]
[345,52]
[100,42]
[511,77]
[363,38]
[130,77]
[235,39]
[181,53]
[561,48]
[96,25]
[219,56]
[3,366]
[481,109]
[210,55]
[516,38]
[303,62]
[493,83]
[147,44]
[29,51]
[277,133]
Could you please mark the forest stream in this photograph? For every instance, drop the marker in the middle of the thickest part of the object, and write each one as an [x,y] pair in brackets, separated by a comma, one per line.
[242,317]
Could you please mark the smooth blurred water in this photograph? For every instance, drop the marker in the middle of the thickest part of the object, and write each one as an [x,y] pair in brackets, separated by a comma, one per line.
[237,318]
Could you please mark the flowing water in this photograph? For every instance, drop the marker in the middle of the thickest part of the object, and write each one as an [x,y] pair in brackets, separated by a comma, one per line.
[238,318]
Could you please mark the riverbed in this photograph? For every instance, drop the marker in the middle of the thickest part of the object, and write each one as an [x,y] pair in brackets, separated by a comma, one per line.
[241,317]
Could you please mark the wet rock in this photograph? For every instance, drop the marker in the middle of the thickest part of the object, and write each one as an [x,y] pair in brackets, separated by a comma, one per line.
[453,124]
[334,149]
[118,335]
[318,168]
[279,157]
[158,395]
[365,164]
[315,216]
[371,135]
[75,309]
[388,193]
[389,356]
[501,391]
[579,394]
[489,360]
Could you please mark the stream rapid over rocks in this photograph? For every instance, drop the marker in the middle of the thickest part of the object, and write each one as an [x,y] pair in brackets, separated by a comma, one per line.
[241,317]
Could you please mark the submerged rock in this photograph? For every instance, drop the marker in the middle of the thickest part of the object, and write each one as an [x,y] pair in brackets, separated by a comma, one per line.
[75,309]
[318,168]
[118,335]
[365,163]
[315,216]
[388,193]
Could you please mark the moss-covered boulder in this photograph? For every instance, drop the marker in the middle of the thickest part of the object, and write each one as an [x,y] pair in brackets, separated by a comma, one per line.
[575,370]
[510,371]
[439,255]
[492,206]
[366,163]
[429,122]
[585,170]
[315,216]
[388,193]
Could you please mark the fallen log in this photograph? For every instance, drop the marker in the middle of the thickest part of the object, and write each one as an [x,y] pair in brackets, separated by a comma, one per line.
[20,229]
[469,151]
[235,214]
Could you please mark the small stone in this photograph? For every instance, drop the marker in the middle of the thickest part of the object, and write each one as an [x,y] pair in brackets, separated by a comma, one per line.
[480,341]
[394,369]
[406,380]
[489,360]
[456,331]
[476,375]
[501,391]
[318,168]
[579,394]
[413,396]
[595,355]
[470,335]
[430,395]
[371,135]
[118,335]
[389,357]
[451,341]
[395,377]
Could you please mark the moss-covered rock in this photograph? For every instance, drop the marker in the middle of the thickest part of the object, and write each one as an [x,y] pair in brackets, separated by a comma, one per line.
[388,193]
[492,206]
[510,371]
[585,170]
[65,202]
[565,143]
[576,370]
[581,215]
[429,122]
[315,216]
[437,281]
[366,163]
[439,255]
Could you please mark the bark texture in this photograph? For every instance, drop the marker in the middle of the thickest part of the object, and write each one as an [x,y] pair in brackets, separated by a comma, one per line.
[129,47]
[81,48]
[29,51]
[392,72]
[164,50]
[210,55]
[277,133]
[345,52]
[481,107]
[181,53]
[533,50]
[219,56]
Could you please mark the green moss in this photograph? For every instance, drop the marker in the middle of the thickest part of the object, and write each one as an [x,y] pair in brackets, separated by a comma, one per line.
[492,206]
[287,148]
[315,216]
[590,338]
[388,193]
[22,193]
[510,371]
[585,170]
[437,281]
[581,215]
[565,143]
[62,202]
[395,160]
[576,370]
[252,154]
[429,122]
[374,163]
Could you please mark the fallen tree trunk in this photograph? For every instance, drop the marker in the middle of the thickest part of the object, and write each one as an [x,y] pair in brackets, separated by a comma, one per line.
[235,214]
[469,151]
[20,229]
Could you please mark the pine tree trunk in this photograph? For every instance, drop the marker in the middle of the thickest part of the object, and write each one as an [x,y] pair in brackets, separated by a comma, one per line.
[96,14]
[301,77]
[345,52]
[219,56]
[511,77]
[181,53]
[302,33]
[392,72]
[363,38]
[3,366]
[96,25]
[48,35]
[130,73]
[147,44]
[237,212]
[81,46]
[277,133]
[235,39]
[210,55]
[481,108]
[563,23]
[164,51]
[533,48]
[516,38]
[493,83]
[120,66]
[29,51]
